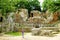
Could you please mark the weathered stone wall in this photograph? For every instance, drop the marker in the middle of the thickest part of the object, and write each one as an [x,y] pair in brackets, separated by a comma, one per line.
[24,14]
[55,16]
[45,31]
[35,16]
[21,15]
[25,29]
[17,18]
[35,13]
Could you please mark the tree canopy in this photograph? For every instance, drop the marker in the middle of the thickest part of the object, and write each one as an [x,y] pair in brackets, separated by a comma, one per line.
[30,5]
[11,5]
[52,5]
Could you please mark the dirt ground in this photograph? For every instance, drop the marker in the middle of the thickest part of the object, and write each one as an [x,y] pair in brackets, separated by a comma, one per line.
[28,36]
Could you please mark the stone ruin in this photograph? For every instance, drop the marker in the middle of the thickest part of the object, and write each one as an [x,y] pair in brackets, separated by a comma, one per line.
[45,18]
[21,15]
[36,17]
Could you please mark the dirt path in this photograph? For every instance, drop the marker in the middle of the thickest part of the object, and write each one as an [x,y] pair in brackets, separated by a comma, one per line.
[29,37]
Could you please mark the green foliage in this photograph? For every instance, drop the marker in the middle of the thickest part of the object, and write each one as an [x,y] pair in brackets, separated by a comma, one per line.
[11,5]
[6,6]
[47,4]
[30,5]
[14,33]
[52,5]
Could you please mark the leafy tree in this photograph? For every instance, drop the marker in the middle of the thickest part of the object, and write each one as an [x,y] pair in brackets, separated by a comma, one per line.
[30,5]
[8,6]
[47,4]
[52,5]
[11,5]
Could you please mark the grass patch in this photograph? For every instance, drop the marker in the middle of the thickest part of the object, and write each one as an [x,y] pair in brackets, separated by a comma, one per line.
[14,33]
